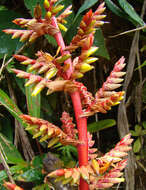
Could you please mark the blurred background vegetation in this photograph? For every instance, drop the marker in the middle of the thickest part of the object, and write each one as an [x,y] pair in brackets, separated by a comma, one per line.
[123,34]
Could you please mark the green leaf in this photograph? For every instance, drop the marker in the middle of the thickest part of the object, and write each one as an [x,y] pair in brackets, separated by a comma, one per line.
[127,7]
[10,152]
[100,42]
[10,105]
[137,146]
[17,169]
[33,102]
[143,132]
[41,187]
[142,65]
[144,124]
[100,125]
[32,4]
[6,128]
[138,129]
[7,45]
[115,9]
[32,175]
[38,161]
[119,12]
[86,5]
[133,133]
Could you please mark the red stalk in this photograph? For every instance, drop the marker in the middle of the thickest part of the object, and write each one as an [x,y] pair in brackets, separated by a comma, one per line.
[81,122]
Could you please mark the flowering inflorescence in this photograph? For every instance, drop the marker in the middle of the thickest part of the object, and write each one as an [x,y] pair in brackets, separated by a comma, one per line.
[45,130]
[59,73]
[100,172]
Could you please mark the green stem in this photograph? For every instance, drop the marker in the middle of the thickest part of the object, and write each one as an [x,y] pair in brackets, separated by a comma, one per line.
[81,122]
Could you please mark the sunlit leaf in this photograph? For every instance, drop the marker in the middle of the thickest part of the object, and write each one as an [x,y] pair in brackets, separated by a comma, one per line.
[86,5]
[33,175]
[7,45]
[137,146]
[100,42]
[144,124]
[33,102]
[10,105]
[138,129]
[10,152]
[127,7]
[100,125]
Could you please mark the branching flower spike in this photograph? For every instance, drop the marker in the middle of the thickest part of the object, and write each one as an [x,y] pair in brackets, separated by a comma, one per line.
[46,130]
[59,72]
[106,96]
[101,172]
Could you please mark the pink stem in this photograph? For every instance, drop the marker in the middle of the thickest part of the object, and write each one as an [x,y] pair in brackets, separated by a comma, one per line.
[81,122]
[60,42]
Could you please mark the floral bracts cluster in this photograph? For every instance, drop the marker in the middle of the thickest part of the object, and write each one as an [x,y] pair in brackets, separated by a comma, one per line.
[101,172]
[68,126]
[106,96]
[45,130]
[39,26]
[58,73]
[92,152]
[46,67]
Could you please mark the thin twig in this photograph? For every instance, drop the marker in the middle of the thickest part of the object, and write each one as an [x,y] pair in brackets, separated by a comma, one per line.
[4,65]
[20,134]
[6,165]
[141,165]
[129,31]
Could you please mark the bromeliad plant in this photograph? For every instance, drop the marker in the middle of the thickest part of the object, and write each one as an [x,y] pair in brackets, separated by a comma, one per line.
[59,73]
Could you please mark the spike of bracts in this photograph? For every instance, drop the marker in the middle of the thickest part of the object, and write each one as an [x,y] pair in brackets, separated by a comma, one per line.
[67,125]
[87,26]
[82,63]
[106,96]
[45,130]
[39,26]
[101,172]
[92,152]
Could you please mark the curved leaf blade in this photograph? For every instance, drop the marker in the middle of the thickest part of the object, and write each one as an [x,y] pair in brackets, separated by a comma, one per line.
[127,7]
[100,125]
[10,105]
[10,152]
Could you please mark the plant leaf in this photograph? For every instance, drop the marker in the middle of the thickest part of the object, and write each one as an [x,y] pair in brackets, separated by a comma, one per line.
[100,125]
[142,65]
[6,127]
[144,124]
[10,152]
[137,146]
[7,45]
[42,187]
[133,133]
[114,8]
[32,4]
[127,7]
[10,105]
[14,170]
[143,132]
[138,129]
[33,102]
[86,5]
[100,42]
[33,175]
